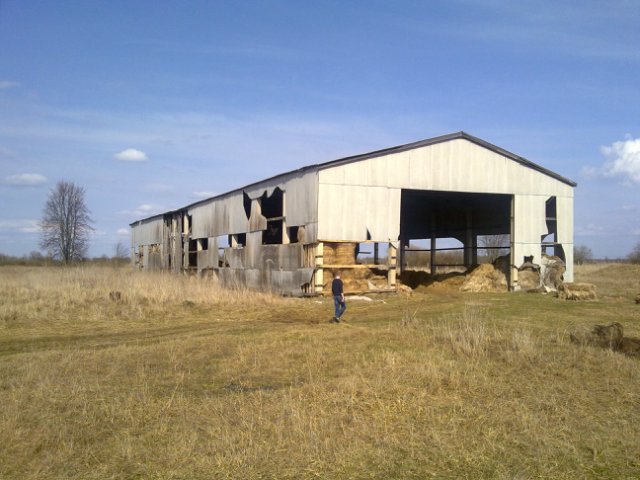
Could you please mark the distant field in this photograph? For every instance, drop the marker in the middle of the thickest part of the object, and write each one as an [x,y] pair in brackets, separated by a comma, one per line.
[180,379]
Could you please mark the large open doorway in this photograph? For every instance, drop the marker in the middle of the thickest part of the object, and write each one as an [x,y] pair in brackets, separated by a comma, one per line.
[442,232]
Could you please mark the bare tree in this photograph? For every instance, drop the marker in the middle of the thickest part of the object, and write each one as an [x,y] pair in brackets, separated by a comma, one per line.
[66,223]
[582,254]
[494,245]
[120,251]
[634,256]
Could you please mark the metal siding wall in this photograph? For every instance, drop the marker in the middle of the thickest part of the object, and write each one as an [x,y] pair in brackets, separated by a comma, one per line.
[301,199]
[226,215]
[148,233]
[347,212]
[457,165]
[529,226]
[220,216]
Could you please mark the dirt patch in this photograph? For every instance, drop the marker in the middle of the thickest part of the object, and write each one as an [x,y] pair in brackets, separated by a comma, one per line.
[608,336]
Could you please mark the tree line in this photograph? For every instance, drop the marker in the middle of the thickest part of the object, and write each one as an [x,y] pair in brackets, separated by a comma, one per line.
[66,226]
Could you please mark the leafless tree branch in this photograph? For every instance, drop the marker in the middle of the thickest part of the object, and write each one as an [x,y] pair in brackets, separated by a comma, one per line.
[66,223]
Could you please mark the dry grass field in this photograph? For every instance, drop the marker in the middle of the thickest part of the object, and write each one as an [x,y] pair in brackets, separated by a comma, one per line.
[180,379]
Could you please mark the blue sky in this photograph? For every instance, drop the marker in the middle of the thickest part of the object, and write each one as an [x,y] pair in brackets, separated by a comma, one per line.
[153,105]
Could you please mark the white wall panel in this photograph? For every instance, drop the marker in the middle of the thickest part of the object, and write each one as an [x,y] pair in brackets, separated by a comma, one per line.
[529,225]
[456,165]
[348,212]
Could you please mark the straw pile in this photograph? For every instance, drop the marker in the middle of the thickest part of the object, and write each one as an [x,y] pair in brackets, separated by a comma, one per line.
[485,278]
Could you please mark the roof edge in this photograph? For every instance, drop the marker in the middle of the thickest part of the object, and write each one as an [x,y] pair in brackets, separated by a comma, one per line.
[378,153]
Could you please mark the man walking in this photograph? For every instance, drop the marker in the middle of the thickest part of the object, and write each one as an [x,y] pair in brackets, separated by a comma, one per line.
[337,290]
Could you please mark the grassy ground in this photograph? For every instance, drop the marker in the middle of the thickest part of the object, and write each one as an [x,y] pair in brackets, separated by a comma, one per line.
[180,379]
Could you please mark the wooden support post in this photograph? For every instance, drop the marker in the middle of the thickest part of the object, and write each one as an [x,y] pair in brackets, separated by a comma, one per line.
[432,256]
[185,241]
[392,263]
[376,257]
[468,240]
[285,232]
[513,280]
[319,273]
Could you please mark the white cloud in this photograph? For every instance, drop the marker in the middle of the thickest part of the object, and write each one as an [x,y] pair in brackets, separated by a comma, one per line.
[5,84]
[26,179]
[589,172]
[145,210]
[24,226]
[131,155]
[624,160]
[204,194]
[123,231]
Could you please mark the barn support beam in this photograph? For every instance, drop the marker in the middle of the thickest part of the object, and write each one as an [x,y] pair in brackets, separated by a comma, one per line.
[392,264]
[319,273]
[432,255]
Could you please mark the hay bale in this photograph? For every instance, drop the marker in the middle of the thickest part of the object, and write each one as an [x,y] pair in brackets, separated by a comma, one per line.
[577,291]
[552,270]
[339,253]
[529,276]
[357,279]
[485,278]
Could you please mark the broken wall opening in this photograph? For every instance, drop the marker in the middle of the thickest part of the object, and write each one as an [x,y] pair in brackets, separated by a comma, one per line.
[222,241]
[273,210]
[239,240]
[192,257]
[549,242]
[371,253]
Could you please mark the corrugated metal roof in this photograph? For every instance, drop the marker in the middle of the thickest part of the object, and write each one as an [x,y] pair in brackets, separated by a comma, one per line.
[386,151]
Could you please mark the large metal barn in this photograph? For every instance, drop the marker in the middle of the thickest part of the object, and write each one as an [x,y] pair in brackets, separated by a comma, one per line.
[366,216]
